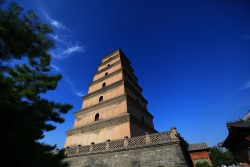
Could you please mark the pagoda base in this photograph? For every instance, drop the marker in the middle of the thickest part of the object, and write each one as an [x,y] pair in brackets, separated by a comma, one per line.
[152,150]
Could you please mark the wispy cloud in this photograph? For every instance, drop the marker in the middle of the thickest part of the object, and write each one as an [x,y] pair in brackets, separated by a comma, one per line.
[73,49]
[79,94]
[68,81]
[65,45]
[72,86]
[68,51]
[56,68]
[246,85]
[56,23]
[57,38]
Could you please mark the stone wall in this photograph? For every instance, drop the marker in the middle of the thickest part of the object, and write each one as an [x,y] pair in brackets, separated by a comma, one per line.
[164,155]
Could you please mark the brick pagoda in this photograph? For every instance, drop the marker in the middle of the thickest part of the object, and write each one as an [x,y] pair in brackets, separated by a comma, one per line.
[114,107]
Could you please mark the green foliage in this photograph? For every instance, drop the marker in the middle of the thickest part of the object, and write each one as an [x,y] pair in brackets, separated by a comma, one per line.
[23,35]
[25,114]
[202,164]
[220,157]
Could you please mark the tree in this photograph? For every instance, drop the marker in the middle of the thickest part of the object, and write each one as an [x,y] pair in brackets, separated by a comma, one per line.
[25,114]
[220,157]
[202,164]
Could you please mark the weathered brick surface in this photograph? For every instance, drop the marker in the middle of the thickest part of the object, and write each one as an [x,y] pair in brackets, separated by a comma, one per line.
[157,156]
[198,155]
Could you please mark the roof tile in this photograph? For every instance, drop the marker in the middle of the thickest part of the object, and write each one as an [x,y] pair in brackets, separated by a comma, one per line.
[198,146]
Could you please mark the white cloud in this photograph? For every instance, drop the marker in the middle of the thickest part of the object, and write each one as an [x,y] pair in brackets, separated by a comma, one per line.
[69,51]
[73,49]
[68,81]
[72,86]
[245,86]
[56,23]
[65,45]
[57,38]
[79,94]
[56,68]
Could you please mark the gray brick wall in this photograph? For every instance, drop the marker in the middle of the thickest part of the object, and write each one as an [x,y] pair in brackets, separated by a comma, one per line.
[169,155]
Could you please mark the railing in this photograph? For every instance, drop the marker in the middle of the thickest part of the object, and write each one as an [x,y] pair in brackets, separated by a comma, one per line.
[126,143]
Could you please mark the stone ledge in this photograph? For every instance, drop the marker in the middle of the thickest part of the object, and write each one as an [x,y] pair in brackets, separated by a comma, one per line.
[124,66]
[128,85]
[126,75]
[127,149]
[102,104]
[107,61]
[130,99]
[130,71]
[113,121]
[109,102]
[123,63]
[111,54]
[141,124]
[103,78]
[106,68]
[119,51]
[99,124]
[148,140]
[122,81]
[106,88]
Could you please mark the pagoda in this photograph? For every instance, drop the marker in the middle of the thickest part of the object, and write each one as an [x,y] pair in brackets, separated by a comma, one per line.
[114,107]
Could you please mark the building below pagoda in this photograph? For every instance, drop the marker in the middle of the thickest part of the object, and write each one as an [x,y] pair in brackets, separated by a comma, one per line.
[238,139]
[199,153]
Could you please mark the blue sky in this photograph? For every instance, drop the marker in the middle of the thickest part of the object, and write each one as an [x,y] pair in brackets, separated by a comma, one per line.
[192,58]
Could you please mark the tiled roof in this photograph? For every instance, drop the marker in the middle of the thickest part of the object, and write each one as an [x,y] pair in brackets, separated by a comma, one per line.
[199,146]
[237,129]
[247,117]
[240,124]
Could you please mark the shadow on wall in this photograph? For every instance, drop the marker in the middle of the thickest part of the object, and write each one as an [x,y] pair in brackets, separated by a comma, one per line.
[135,163]
[92,163]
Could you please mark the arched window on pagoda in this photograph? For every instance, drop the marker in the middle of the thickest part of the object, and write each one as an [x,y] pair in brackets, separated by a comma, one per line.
[97,117]
[100,98]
